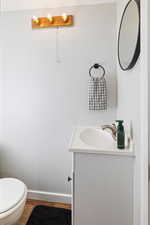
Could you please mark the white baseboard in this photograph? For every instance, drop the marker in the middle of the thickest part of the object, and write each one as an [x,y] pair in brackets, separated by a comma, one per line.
[49,196]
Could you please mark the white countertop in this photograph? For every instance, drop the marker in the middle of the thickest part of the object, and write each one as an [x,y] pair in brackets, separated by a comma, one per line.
[78,145]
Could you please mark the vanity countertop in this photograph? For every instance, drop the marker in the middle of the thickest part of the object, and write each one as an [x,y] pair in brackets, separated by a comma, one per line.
[96,141]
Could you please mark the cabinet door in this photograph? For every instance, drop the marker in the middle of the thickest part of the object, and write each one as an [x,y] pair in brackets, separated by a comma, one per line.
[73,195]
[103,190]
[73,188]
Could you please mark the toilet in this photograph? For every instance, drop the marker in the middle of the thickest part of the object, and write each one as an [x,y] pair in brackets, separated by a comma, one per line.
[13,195]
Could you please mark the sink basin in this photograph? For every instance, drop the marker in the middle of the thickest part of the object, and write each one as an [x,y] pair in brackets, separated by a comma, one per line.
[97,138]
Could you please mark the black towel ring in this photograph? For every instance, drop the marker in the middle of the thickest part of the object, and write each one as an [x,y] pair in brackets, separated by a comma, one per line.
[97,66]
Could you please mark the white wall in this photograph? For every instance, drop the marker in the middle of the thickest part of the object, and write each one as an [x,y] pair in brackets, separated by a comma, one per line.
[13,5]
[43,100]
[129,110]
[147,46]
[132,107]
[145,50]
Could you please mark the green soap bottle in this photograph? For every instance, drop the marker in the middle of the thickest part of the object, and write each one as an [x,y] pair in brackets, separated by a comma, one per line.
[120,135]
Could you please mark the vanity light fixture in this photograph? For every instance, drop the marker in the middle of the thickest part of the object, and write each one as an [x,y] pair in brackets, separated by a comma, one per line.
[52,21]
[35,20]
[65,17]
[50,18]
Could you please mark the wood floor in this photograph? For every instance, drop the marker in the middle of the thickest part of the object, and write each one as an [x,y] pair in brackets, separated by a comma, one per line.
[32,203]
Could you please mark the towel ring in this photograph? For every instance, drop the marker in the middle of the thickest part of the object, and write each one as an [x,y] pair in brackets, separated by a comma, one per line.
[97,66]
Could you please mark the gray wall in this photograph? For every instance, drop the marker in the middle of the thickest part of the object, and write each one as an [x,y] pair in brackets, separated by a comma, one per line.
[42,100]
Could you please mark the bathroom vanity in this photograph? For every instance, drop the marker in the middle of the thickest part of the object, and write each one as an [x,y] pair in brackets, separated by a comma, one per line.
[103,179]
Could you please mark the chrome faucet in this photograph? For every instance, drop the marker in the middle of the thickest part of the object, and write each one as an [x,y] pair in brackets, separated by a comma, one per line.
[113,129]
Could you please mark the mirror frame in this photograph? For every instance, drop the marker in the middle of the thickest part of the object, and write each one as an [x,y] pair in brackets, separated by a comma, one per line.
[137,48]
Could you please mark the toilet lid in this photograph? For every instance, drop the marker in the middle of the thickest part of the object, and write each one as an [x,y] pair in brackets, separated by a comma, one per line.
[11,193]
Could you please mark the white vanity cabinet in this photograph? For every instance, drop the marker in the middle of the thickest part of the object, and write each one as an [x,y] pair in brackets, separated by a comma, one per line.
[103,190]
[103,185]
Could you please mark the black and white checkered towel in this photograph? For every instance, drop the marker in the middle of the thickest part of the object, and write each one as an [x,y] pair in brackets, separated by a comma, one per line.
[97,93]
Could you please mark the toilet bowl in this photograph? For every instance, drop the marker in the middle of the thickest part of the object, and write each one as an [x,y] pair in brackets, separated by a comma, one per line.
[13,195]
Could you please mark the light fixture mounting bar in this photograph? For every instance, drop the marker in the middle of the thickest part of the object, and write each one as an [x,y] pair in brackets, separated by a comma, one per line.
[57,21]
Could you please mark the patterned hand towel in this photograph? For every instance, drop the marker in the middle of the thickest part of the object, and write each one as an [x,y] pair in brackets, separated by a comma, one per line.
[97,93]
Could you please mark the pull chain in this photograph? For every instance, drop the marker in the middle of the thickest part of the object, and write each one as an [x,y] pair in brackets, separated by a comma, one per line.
[58,60]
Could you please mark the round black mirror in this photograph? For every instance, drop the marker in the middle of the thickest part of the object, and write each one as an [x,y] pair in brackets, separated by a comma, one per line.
[129,36]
